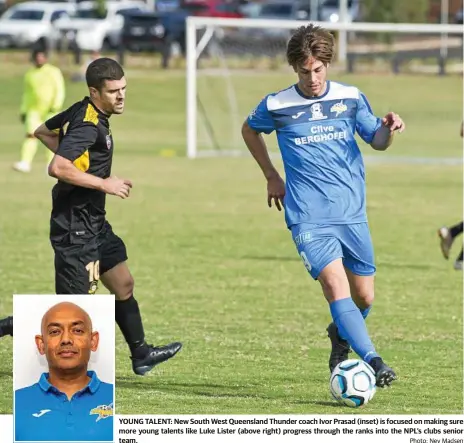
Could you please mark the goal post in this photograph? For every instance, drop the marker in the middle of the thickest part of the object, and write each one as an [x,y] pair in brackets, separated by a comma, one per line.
[232,63]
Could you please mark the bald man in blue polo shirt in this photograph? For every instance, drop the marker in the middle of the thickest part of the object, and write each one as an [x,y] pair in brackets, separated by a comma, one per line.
[69,403]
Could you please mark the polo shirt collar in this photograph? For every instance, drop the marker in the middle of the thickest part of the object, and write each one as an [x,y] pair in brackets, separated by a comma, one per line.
[92,386]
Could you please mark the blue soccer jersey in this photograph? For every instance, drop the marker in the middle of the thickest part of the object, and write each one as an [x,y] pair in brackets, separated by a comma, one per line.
[325,180]
[43,413]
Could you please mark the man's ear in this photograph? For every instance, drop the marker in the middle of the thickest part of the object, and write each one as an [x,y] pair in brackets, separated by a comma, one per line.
[93,92]
[39,342]
[94,341]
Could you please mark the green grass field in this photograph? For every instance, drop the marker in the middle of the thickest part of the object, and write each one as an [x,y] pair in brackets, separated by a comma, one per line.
[217,270]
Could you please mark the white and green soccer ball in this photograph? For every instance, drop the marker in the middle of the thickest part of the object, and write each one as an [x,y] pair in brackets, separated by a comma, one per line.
[352,383]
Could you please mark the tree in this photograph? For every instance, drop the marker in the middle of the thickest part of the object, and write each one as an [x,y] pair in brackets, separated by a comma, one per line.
[101,8]
[395,11]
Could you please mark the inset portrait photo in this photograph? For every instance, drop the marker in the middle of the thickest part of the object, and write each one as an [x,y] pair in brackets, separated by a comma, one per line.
[63,368]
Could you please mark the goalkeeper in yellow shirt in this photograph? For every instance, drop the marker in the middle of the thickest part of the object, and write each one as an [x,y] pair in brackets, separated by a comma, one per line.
[43,97]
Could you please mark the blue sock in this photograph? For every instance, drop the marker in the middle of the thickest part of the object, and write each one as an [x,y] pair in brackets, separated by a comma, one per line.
[365,312]
[352,327]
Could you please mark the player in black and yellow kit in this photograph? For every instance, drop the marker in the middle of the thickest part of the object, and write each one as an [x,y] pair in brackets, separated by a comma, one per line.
[86,248]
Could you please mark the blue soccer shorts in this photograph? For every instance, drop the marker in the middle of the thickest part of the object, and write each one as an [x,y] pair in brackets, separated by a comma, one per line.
[319,245]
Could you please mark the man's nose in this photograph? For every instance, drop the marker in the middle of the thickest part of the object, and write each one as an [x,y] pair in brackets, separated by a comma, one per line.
[66,338]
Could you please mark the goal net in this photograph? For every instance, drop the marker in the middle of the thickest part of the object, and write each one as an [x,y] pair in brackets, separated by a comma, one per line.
[233,63]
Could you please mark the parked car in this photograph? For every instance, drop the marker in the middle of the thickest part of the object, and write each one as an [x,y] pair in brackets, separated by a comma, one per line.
[458,17]
[90,29]
[251,9]
[287,10]
[212,8]
[330,11]
[167,5]
[3,6]
[32,23]
[270,40]
[148,32]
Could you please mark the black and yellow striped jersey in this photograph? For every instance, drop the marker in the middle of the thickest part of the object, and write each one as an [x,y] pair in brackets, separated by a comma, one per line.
[85,139]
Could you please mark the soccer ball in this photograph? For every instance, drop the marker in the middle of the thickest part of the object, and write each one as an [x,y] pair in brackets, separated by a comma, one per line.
[352,383]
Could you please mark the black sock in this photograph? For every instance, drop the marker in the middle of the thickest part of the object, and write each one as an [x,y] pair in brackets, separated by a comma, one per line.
[456,230]
[130,322]
[6,326]
[460,256]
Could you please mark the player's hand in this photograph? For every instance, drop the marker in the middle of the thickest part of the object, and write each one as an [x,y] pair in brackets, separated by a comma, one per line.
[393,122]
[275,191]
[117,186]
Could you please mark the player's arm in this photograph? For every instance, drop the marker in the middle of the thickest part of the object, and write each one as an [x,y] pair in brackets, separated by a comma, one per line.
[383,137]
[74,149]
[258,149]
[65,170]
[375,131]
[48,132]
[49,138]
[260,121]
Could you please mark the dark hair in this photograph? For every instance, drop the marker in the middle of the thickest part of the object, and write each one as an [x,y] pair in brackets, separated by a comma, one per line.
[36,50]
[103,69]
[310,41]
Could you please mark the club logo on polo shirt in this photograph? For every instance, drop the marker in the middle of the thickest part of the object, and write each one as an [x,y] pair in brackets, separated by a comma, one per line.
[103,411]
[339,108]
[317,112]
[108,141]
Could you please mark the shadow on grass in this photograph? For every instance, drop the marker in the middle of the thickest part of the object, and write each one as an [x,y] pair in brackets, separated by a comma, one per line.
[129,383]
[418,266]
[396,266]
[217,391]
[329,404]
[270,258]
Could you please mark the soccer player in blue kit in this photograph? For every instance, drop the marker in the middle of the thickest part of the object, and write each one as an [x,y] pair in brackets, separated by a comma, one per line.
[324,195]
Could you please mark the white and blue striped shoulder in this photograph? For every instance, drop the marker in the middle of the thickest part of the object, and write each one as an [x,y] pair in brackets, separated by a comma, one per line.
[290,97]
[338,91]
[286,98]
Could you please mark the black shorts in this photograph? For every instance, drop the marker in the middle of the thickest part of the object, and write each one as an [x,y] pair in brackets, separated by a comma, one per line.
[78,267]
